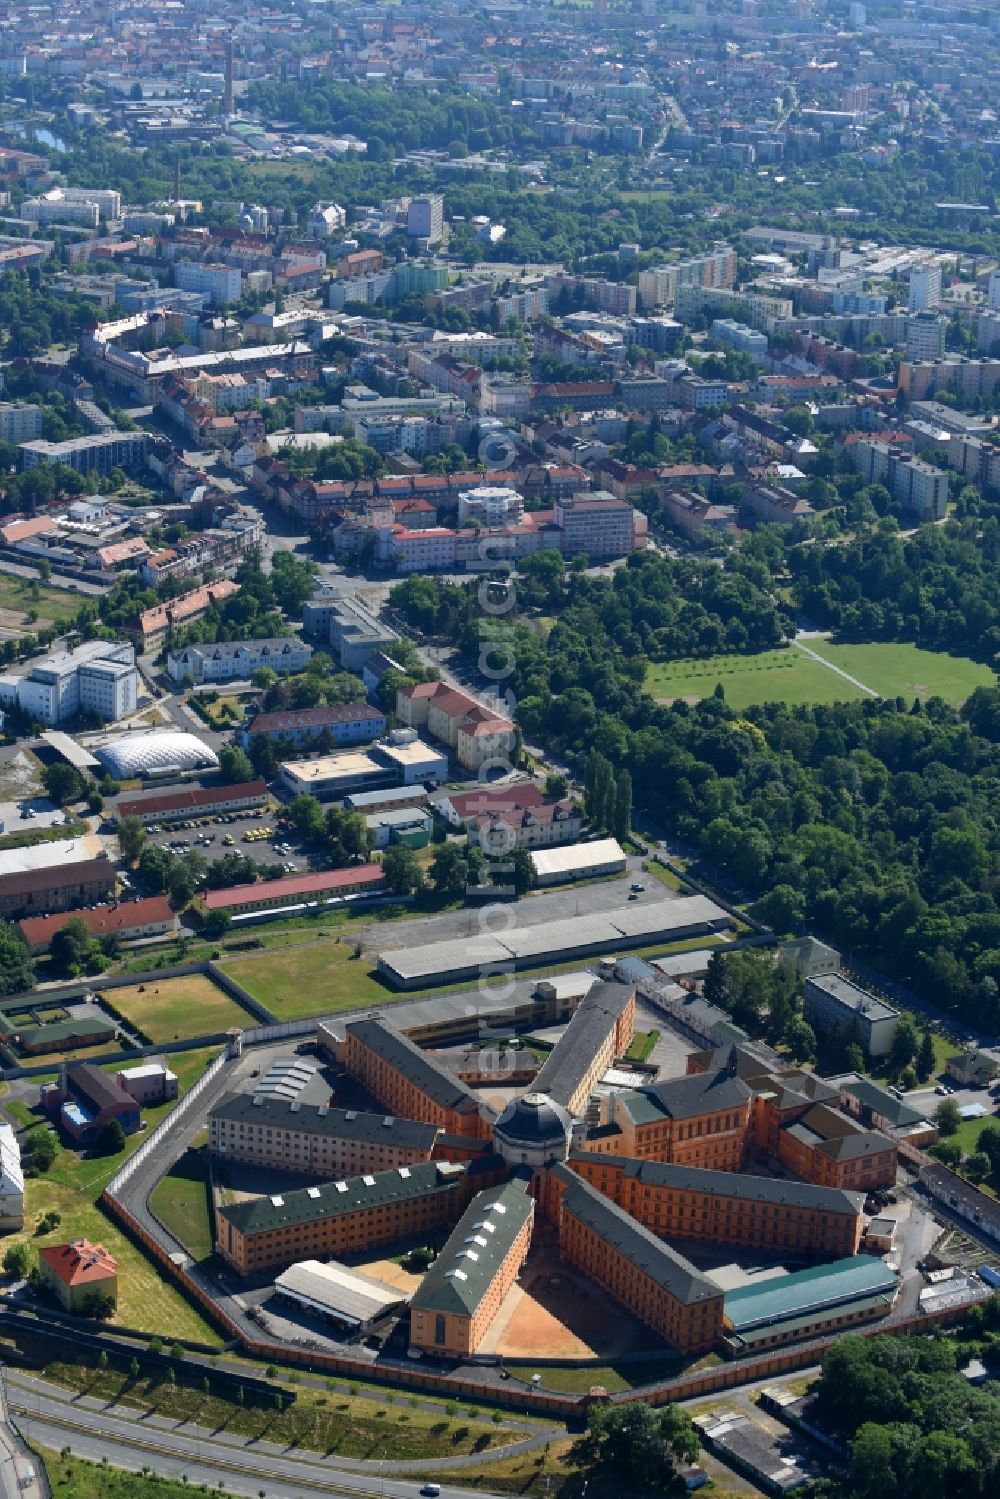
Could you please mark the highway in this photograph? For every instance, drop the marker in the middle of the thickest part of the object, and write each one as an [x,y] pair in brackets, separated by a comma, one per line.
[55,1418]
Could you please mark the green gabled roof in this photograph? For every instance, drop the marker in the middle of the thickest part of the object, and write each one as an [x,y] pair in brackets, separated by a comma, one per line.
[467,1265]
[330,1199]
[805,1291]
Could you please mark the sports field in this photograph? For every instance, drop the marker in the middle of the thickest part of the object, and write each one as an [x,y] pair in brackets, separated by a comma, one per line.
[173,1009]
[899,670]
[791,676]
[783,676]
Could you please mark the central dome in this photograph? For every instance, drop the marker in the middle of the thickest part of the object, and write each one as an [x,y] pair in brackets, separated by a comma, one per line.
[533,1130]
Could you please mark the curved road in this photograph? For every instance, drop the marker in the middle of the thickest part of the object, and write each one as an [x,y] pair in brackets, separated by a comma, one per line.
[55,1417]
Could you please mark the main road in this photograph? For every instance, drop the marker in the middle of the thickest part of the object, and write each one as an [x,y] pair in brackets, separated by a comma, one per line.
[53,1417]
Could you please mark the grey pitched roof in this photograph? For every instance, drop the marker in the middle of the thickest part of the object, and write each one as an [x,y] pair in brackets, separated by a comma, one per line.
[765,1189]
[566,1065]
[285,1209]
[480,1242]
[422,1070]
[317,1119]
[671,1271]
[686,1097]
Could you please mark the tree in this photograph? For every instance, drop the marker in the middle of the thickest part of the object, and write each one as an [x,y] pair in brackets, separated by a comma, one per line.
[110,1138]
[977,1166]
[234,765]
[17,971]
[947,1117]
[556,786]
[905,1042]
[98,1305]
[62,783]
[72,947]
[639,1445]
[18,1261]
[217,923]
[450,870]
[402,871]
[41,1144]
[782,908]
[988,1141]
[925,1056]
[131,838]
[622,815]
[800,1039]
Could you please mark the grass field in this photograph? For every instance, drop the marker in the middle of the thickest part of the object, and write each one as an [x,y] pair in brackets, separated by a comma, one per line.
[783,676]
[171,1009]
[180,1201]
[75,1478]
[316,978]
[71,1187]
[899,670]
[790,676]
[55,604]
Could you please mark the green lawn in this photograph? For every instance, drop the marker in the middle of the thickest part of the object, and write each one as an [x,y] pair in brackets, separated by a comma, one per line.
[896,670]
[75,1478]
[72,1187]
[55,604]
[790,676]
[180,1201]
[170,1009]
[317,978]
[782,676]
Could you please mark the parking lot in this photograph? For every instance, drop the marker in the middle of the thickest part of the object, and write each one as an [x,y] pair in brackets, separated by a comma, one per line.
[213,837]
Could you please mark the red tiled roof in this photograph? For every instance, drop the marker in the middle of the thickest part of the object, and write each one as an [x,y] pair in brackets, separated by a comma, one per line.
[79,1263]
[494,800]
[314,718]
[195,797]
[102,922]
[294,884]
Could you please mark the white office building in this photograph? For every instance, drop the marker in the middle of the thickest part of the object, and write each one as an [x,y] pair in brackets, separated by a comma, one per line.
[490,505]
[98,677]
[925,288]
[925,336]
[219,283]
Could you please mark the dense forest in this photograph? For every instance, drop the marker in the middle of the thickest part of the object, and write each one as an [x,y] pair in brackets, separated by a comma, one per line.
[912,1427]
[876,821]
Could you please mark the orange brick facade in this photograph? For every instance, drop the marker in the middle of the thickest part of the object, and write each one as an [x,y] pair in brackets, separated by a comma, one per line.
[405,1098]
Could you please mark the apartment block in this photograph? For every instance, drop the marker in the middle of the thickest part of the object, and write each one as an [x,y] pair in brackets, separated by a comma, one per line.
[341,1217]
[722,1207]
[291,1135]
[925,288]
[833,1002]
[918,486]
[425,219]
[411,1083]
[461,1294]
[97,453]
[966,378]
[237,660]
[477,735]
[19,421]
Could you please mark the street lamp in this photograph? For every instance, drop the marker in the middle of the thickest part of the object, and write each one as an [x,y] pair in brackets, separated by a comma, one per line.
[381,1469]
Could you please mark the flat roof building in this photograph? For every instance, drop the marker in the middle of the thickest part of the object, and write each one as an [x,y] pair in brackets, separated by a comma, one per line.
[580,861]
[833,1002]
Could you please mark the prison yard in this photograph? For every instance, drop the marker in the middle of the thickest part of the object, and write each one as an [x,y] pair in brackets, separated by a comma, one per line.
[174,1008]
[792,675]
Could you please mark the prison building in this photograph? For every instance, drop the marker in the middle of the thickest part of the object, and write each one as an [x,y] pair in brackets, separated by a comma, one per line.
[410,1083]
[288,1134]
[700,1120]
[601,1030]
[650,1280]
[724,1207]
[340,1217]
[468,1283]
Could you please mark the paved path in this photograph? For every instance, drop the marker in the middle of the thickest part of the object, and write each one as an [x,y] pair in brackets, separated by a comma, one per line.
[93,1428]
[839,670]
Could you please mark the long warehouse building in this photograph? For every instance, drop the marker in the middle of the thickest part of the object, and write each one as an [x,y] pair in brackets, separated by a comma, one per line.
[554,941]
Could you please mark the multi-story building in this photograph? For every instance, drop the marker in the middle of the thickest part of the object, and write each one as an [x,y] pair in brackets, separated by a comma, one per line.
[59,205]
[237,660]
[631,1265]
[925,288]
[597,526]
[461,1294]
[833,1002]
[410,1083]
[827,1148]
[734,335]
[476,734]
[658,287]
[291,1135]
[11,1182]
[350,627]
[56,888]
[425,219]
[490,505]
[219,283]
[918,486]
[925,336]
[97,453]
[340,1217]
[540,826]
[77,1271]
[701,1120]
[523,306]
[98,677]
[724,1207]
[19,422]
[966,378]
[599,1032]
[343,723]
